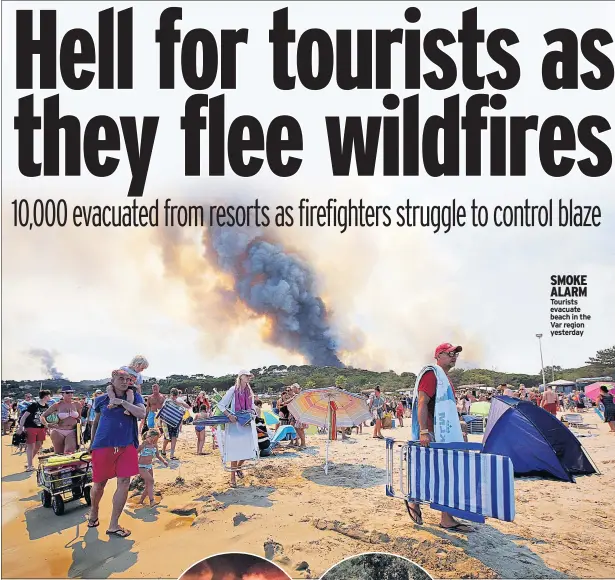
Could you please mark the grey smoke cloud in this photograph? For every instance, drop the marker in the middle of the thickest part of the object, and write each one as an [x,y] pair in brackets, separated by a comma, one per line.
[47,362]
[280,285]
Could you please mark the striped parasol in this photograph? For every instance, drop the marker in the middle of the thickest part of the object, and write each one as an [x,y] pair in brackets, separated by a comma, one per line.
[331,408]
[312,407]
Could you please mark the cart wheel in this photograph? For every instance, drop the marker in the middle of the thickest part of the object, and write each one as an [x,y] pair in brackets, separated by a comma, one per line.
[57,504]
[87,495]
[45,498]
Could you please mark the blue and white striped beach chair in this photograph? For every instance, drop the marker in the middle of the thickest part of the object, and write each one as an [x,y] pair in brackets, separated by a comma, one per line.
[452,477]
[171,413]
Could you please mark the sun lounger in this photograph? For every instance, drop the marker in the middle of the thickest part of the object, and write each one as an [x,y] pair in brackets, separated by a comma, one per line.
[454,478]
[575,421]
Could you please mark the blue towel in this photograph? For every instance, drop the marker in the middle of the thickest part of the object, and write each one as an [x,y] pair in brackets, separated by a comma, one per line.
[284,432]
[243,418]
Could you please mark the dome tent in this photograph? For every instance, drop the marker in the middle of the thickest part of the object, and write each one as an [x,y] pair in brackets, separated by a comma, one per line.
[536,441]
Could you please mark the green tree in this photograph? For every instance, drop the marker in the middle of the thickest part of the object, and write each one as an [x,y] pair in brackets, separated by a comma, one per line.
[604,359]
[341,381]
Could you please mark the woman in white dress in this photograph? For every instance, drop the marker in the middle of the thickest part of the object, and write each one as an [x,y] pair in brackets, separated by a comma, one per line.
[238,443]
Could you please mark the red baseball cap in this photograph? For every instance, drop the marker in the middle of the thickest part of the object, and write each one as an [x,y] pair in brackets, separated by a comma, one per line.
[446,347]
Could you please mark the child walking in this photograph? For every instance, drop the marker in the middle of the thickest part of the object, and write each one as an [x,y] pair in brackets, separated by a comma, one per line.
[147,451]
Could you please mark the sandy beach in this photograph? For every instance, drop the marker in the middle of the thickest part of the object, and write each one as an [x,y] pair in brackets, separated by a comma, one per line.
[288,510]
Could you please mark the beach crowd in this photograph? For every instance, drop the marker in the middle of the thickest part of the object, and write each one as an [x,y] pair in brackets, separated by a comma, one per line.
[122,428]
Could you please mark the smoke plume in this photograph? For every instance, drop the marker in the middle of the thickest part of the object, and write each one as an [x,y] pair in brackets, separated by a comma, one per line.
[47,362]
[279,285]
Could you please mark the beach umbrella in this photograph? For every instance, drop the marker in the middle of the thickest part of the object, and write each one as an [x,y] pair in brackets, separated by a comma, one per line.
[592,391]
[480,408]
[322,407]
[270,418]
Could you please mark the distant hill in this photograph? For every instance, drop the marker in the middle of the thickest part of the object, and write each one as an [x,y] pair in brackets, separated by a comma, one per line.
[273,378]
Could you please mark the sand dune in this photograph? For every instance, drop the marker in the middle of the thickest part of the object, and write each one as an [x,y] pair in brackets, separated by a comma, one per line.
[288,510]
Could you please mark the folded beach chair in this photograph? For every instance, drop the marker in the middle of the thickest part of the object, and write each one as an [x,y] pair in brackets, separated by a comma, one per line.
[475,424]
[171,413]
[452,477]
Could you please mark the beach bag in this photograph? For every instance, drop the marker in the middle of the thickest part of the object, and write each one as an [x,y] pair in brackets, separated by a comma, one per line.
[52,419]
[171,413]
[19,439]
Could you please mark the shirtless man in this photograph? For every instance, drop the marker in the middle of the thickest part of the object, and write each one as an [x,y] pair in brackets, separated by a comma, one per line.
[154,404]
[549,401]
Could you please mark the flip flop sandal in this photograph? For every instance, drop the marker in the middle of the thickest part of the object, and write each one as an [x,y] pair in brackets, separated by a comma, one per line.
[120,533]
[239,474]
[173,458]
[459,527]
[415,514]
[93,523]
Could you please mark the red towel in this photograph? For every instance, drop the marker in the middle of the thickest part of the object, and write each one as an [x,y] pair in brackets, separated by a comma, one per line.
[333,421]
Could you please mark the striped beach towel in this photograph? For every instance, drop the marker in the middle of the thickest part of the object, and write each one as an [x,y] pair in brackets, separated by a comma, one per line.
[171,413]
[466,481]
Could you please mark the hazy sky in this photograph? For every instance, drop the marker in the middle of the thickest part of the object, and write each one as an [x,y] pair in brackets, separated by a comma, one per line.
[96,297]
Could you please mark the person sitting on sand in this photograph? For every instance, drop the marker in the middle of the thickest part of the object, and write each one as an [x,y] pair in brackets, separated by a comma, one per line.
[258,404]
[147,451]
[200,429]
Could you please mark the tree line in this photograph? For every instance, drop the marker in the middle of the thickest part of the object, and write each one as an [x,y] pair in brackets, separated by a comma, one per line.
[271,379]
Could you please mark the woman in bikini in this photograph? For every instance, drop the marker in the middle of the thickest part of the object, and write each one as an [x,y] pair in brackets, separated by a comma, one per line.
[64,433]
[203,413]
[147,451]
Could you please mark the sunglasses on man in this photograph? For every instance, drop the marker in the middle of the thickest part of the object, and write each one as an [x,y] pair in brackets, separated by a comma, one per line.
[452,354]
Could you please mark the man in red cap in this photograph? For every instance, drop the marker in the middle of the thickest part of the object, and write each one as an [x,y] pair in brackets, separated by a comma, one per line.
[446,357]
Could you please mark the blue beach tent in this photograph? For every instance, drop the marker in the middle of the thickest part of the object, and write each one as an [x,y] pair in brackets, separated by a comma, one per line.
[536,441]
